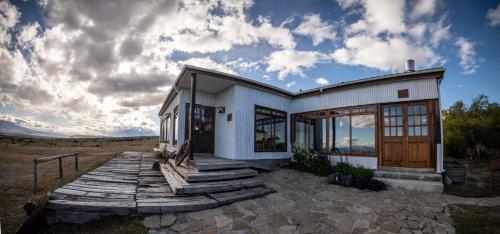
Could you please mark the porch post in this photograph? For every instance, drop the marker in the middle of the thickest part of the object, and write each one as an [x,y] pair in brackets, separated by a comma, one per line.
[191,114]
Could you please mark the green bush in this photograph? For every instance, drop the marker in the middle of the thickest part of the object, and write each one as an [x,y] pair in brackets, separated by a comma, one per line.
[306,161]
[360,173]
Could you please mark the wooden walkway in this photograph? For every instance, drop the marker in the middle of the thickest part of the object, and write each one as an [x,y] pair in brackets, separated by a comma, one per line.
[126,185]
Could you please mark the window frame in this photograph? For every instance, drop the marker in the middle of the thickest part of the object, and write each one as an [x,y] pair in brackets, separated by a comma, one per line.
[175,120]
[329,115]
[255,128]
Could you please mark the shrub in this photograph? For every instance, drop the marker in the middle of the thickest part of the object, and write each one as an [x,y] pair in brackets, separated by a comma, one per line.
[358,173]
[305,161]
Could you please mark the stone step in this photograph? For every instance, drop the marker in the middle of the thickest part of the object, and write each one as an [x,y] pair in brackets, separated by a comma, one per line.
[417,185]
[406,169]
[435,177]
[191,174]
[180,186]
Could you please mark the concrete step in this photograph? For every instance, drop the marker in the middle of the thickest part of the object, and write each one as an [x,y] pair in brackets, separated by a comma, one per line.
[417,185]
[406,169]
[433,177]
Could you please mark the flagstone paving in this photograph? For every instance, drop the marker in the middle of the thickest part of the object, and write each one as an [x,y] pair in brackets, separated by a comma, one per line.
[304,203]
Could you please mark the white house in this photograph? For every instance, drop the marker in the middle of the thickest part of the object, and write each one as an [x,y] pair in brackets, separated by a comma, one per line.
[389,123]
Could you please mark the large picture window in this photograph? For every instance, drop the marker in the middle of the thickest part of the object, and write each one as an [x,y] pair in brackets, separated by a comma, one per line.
[354,130]
[350,130]
[270,130]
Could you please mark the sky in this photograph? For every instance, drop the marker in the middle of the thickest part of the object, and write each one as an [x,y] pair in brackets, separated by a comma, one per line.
[104,67]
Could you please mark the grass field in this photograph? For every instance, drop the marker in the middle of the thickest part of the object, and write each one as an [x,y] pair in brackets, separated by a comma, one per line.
[475,219]
[16,167]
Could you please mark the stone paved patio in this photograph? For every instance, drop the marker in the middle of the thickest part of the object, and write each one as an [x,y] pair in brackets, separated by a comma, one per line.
[304,203]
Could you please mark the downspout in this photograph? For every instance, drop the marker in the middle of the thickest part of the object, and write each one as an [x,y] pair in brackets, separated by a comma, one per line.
[439,164]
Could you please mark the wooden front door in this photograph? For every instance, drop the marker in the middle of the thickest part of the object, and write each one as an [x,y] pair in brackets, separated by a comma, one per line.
[406,141]
[203,135]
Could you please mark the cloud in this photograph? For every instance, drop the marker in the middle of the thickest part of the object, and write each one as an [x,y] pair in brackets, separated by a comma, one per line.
[9,17]
[294,62]
[423,7]
[321,81]
[494,16]
[206,62]
[92,61]
[344,4]
[366,50]
[385,16]
[467,55]
[384,30]
[313,27]
[290,84]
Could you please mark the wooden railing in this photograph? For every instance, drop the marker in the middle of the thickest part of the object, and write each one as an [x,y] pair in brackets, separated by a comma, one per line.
[37,161]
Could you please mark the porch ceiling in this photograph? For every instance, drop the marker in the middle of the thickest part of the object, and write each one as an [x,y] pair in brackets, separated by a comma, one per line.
[206,83]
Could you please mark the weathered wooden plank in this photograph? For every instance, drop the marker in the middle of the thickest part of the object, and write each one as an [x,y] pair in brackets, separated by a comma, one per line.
[115,207]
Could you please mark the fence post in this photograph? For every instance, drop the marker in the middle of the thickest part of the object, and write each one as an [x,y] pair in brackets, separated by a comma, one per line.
[34,175]
[76,161]
[60,168]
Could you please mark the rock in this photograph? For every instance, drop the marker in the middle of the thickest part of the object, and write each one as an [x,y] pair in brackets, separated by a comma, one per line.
[222,221]
[405,231]
[391,227]
[413,224]
[345,224]
[152,221]
[239,225]
[359,230]
[209,230]
[167,220]
[287,229]
[194,226]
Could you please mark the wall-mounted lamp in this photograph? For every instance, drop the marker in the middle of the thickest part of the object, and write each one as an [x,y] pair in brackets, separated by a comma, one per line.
[221,109]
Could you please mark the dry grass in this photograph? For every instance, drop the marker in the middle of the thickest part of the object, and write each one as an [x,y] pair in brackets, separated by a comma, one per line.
[475,219]
[16,168]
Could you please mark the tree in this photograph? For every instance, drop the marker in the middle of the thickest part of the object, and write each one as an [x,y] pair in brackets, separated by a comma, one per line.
[474,129]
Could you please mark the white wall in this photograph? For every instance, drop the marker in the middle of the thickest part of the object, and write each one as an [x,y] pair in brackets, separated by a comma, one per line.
[382,93]
[225,132]
[244,117]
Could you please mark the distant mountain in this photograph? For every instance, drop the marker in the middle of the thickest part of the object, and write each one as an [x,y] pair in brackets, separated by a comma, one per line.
[10,128]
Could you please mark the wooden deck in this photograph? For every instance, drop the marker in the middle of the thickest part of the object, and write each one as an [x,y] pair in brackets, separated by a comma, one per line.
[126,185]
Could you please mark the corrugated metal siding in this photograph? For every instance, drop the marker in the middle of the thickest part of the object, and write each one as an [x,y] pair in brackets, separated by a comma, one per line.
[244,119]
[225,140]
[382,93]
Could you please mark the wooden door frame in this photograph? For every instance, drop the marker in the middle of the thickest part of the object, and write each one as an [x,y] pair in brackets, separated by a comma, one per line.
[212,141]
[432,106]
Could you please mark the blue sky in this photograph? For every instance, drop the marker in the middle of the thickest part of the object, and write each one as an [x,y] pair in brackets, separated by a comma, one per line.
[104,67]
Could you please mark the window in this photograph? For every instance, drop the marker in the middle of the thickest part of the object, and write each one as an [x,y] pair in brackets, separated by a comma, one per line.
[342,133]
[393,121]
[417,120]
[351,130]
[270,130]
[165,127]
[304,134]
[176,126]
[363,133]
